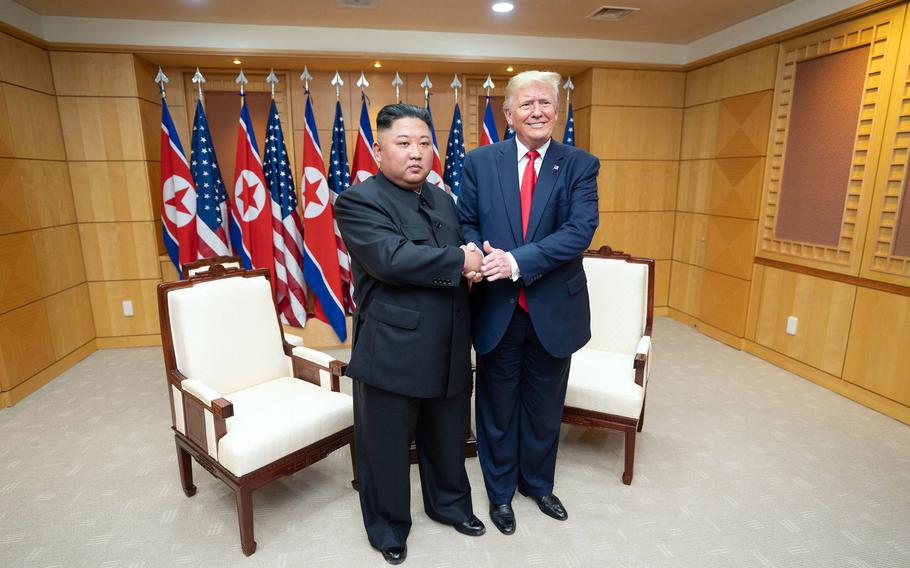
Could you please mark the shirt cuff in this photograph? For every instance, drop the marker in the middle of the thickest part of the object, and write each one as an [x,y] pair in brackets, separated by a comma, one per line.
[516,272]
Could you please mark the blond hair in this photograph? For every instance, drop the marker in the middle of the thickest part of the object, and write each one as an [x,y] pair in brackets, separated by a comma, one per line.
[525,78]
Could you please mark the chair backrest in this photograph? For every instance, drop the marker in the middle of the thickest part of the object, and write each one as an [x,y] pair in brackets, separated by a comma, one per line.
[204,264]
[621,289]
[224,330]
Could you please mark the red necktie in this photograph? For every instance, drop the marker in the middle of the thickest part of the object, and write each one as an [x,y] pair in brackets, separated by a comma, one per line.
[528,181]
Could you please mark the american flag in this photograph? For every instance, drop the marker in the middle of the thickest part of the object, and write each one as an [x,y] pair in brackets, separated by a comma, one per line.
[454,154]
[211,197]
[488,135]
[569,137]
[435,176]
[339,180]
[287,230]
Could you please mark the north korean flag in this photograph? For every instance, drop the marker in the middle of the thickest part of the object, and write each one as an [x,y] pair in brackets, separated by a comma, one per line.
[178,196]
[364,164]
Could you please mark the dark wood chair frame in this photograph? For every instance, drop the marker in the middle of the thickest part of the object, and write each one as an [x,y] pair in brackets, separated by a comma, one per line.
[204,262]
[194,443]
[629,426]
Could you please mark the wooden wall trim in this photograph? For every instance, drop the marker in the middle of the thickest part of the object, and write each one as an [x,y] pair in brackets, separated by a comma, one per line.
[24,36]
[43,377]
[124,341]
[828,275]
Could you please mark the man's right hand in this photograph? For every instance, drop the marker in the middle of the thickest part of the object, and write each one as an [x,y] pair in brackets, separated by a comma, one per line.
[473,260]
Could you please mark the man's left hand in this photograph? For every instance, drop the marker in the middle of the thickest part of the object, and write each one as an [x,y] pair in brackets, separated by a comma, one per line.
[496,263]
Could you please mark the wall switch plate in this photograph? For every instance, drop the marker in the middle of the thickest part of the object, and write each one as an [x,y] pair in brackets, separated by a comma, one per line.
[792,322]
[128,308]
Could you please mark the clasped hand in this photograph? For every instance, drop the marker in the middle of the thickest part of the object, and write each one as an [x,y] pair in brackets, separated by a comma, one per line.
[493,266]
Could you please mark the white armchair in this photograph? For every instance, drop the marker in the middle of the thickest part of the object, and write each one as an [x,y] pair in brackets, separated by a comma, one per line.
[248,406]
[608,378]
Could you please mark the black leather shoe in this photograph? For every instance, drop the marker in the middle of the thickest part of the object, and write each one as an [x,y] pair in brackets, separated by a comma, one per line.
[503,518]
[471,527]
[394,554]
[551,505]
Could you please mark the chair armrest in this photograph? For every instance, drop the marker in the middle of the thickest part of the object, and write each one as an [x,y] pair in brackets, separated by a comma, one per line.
[318,368]
[641,366]
[294,340]
[208,406]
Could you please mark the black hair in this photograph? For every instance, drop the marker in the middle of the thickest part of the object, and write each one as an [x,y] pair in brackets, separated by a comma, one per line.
[390,113]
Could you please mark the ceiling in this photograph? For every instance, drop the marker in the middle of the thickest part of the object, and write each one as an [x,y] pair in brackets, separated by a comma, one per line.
[663,21]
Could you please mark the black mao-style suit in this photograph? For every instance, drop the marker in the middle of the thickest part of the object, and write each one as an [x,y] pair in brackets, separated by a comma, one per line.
[410,359]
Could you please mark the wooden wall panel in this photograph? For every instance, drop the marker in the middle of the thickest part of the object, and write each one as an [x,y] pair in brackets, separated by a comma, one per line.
[689,238]
[630,133]
[119,251]
[34,124]
[648,234]
[685,288]
[724,302]
[113,191]
[661,282]
[34,194]
[750,72]
[93,74]
[877,355]
[824,308]
[107,307]
[25,344]
[699,132]
[96,128]
[637,185]
[146,88]
[69,315]
[694,189]
[19,280]
[742,125]
[736,187]
[628,87]
[7,143]
[583,128]
[150,117]
[704,85]
[59,258]
[23,64]
[584,89]
[729,246]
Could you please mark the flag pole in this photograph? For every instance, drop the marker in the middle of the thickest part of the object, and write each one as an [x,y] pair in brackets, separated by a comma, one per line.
[162,80]
[488,85]
[427,85]
[337,83]
[242,80]
[272,79]
[569,87]
[305,77]
[397,83]
[456,84]
[198,79]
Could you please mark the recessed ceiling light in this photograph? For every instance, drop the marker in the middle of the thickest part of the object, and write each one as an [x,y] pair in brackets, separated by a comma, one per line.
[236,61]
[510,69]
[503,7]
[377,65]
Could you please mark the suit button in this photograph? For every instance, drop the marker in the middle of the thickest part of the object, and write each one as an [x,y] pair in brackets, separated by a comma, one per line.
[438,225]
[512,301]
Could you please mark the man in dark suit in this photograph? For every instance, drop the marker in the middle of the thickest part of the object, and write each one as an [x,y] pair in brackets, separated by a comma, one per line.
[531,204]
[410,361]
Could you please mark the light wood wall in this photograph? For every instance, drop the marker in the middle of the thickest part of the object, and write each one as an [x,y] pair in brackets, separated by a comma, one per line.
[45,313]
[632,120]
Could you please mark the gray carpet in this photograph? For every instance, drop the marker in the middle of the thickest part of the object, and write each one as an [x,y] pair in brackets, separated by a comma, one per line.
[740,464]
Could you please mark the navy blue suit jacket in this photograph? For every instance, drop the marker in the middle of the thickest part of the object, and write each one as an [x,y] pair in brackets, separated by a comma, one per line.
[563,219]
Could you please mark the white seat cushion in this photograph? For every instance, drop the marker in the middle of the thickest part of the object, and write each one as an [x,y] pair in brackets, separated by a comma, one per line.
[277,418]
[604,382]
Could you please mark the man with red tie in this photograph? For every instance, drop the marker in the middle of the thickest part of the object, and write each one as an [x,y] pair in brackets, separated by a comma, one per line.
[531,204]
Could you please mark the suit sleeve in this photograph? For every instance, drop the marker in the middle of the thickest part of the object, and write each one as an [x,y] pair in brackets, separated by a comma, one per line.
[467,204]
[573,237]
[386,254]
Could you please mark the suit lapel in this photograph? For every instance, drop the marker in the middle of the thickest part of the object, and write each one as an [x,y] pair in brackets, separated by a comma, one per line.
[507,164]
[546,182]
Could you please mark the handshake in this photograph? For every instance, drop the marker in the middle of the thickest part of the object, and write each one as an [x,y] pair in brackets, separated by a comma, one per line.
[491,263]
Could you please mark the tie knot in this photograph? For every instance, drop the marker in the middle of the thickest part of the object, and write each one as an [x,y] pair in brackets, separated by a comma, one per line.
[532,155]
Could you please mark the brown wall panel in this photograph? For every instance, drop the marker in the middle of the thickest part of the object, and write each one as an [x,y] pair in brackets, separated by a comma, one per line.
[584,89]
[699,132]
[23,64]
[7,147]
[630,133]
[689,238]
[661,282]
[59,258]
[119,251]
[19,280]
[25,344]
[150,115]
[69,315]
[629,87]
[648,234]
[685,288]
[34,121]
[107,307]
[877,355]
[93,74]
[724,302]
[147,88]
[704,85]
[729,246]
[694,189]
[824,309]
[736,187]
[742,125]
[34,194]
[96,128]
[113,191]
[753,71]
[583,128]
[637,185]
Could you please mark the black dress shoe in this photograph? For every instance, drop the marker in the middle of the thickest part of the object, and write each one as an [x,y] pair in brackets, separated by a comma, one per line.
[471,527]
[551,505]
[394,554]
[503,518]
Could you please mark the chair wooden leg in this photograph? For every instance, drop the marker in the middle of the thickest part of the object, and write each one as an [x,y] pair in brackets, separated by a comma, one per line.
[185,465]
[245,513]
[353,466]
[630,455]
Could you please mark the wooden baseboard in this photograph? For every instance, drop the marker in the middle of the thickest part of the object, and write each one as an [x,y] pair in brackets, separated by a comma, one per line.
[857,394]
[128,341]
[35,382]
[661,311]
[707,329]
[682,317]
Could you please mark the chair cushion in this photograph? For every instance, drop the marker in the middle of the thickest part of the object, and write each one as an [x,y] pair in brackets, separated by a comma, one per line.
[226,333]
[604,382]
[619,303]
[277,418]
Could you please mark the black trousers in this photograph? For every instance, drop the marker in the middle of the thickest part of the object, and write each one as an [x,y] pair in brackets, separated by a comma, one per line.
[384,424]
[521,390]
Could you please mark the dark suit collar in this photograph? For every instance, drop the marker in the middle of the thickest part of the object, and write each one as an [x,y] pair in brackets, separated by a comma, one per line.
[408,197]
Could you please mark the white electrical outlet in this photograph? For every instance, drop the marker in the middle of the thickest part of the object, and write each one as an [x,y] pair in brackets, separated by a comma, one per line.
[128,308]
[792,322]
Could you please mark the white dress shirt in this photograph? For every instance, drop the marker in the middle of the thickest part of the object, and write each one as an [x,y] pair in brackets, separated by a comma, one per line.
[522,163]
